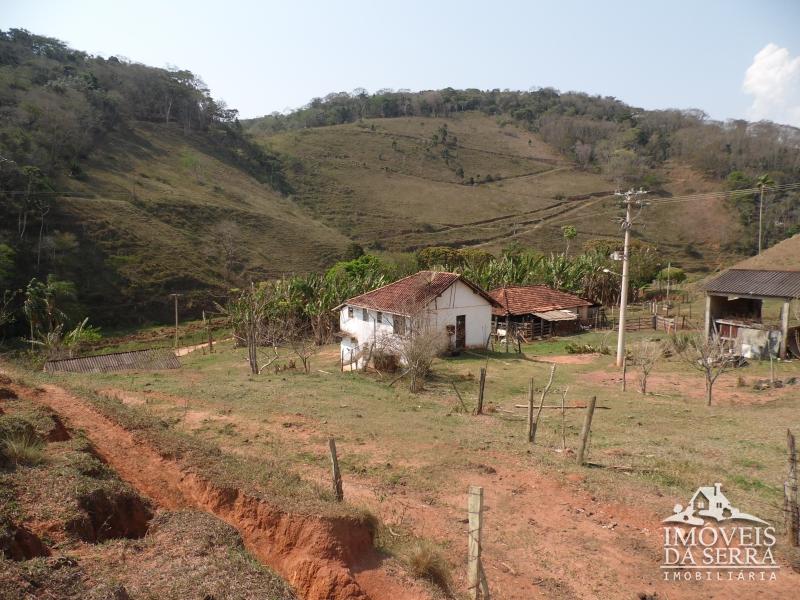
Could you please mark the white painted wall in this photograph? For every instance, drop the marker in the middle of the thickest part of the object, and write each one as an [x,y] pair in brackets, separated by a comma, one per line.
[458,299]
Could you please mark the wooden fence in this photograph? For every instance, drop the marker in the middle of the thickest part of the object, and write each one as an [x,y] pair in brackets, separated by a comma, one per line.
[149,359]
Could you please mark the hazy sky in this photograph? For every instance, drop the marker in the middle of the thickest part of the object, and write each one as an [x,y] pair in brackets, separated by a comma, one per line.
[732,59]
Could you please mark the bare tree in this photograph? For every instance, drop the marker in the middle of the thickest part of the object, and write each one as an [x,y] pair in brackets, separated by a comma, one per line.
[417,348]
[229,237]
[301,341]
[708,355]
[645,355]
[252,325]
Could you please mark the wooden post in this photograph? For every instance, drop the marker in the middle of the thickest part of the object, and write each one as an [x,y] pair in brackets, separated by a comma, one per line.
[529,433]
[587,426]
[563,419]
[175,297]
[474,510]
[481,387]
[541,404]
[338,492]
[508,332]
[210,337]
[771,370]
[624,372]
[460,399]
[793,516]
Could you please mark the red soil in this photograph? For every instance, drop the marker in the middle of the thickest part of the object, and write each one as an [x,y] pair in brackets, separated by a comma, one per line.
[322,558]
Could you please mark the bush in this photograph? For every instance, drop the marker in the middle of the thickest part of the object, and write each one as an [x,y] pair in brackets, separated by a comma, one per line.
[426,562]
[23,448]
[385,362]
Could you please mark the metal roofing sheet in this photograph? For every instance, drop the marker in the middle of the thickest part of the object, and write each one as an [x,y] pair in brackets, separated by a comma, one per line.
[557,315]
[753,282]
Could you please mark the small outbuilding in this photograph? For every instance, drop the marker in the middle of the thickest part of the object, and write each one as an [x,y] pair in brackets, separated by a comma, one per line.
[734,311]
[536,311]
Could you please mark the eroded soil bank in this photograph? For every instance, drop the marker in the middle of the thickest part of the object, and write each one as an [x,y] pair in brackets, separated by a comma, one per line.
[323,558]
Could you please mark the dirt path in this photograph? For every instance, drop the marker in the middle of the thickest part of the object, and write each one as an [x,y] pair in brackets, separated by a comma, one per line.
[322,559]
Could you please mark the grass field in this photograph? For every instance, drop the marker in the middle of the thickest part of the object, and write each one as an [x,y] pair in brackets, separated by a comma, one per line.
[385,183]
[408,458]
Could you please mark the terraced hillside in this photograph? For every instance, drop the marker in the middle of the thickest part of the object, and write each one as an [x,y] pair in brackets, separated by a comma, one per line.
[393,184]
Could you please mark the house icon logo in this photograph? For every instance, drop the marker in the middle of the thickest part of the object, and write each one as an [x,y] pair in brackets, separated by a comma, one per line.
[711,503]
[711,540]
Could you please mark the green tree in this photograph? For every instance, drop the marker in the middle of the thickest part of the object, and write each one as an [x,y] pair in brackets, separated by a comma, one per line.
[569,233]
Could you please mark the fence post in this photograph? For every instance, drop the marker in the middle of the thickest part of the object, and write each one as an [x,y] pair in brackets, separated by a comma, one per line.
[338,492]
[546,389]
[474,568]
[790,494]
[529,433]
[481,387]
[587,426]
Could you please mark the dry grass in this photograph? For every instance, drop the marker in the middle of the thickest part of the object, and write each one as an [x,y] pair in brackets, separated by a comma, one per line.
[23,448]
[425,561]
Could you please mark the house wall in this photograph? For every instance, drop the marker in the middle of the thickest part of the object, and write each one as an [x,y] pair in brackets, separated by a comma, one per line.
[358,334]
[460,299]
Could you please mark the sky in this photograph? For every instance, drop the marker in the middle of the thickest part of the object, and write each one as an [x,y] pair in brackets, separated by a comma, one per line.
[732,59]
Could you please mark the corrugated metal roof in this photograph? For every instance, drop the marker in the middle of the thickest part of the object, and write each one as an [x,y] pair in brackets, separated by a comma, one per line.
[754,282]
[557,315]
[411,294]
[151,359]
[529,299]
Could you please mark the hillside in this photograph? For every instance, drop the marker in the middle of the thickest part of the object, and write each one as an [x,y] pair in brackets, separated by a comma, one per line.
[133,182]
[385,183]
[783,256]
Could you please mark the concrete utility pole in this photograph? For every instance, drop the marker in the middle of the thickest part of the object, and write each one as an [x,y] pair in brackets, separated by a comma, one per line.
[631,197]
[175,296]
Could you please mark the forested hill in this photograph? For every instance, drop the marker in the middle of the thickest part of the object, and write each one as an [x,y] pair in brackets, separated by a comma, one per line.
[132,182]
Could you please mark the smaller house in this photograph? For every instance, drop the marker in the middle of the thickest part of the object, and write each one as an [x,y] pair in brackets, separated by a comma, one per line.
[734,305]
[537,311]
[445,302]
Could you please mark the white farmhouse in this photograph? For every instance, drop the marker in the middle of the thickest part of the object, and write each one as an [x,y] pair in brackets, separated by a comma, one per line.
[446,302]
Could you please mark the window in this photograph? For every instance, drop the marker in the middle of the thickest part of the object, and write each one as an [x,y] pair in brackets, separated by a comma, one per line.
[399,324]
[379,318]
[349,312]
[364,314]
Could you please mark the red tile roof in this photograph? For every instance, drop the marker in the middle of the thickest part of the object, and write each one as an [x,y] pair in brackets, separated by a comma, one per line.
[527,299]
[409,295]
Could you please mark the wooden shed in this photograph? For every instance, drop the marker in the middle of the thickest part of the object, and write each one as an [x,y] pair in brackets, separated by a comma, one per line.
[537,311]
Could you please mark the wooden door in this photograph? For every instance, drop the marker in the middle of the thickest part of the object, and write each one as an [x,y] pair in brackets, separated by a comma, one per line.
[461,332]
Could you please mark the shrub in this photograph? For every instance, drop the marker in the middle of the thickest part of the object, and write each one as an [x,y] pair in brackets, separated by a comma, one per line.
[23,448]
[385,362]
[426,562]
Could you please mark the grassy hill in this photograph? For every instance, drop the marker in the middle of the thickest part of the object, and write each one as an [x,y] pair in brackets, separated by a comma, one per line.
[783,256]
[387,185]
[133,182]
